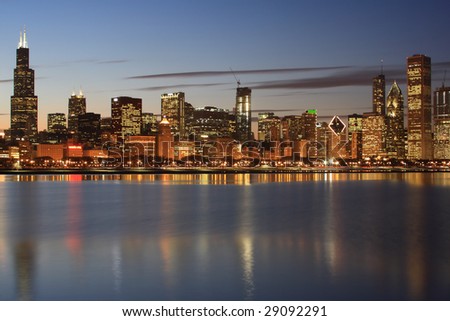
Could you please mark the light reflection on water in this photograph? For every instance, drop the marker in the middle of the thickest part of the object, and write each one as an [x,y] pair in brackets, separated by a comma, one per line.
[225,237]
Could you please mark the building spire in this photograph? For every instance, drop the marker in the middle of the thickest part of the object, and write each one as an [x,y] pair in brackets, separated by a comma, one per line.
[23,39]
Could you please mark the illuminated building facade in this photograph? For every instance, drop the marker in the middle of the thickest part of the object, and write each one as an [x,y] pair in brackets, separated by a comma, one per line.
[337,139]
[395,136]
[292,127]
[24,103]
[77,107]
[269,127]
[56,123]
[373,135]
[149,124]
[441,142]
[173,108]
[419,107]
[126,116]
[243,113]
[355,128]
[211,122]
[379,94]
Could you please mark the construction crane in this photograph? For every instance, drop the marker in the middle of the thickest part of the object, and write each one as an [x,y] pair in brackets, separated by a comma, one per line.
[237,80]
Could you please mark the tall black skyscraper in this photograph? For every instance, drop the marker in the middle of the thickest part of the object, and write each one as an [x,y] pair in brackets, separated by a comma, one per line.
[24,104]
[243,114]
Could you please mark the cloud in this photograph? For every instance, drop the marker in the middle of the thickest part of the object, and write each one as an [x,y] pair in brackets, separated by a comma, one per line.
[118,61]
[154,88]
[6,80]
[214,73]
[353,77]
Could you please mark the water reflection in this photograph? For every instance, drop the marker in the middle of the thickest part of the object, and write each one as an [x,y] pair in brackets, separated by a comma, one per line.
[418,179]
[161,237]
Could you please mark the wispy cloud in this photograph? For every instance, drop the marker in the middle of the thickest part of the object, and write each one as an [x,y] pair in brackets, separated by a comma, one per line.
[118,61]
[214,73]
[6,80]
[154,88]
[354,77]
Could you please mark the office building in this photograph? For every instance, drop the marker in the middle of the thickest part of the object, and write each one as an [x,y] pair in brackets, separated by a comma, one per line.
[419,107]
[354,145]
[24,103]
[441,141]
[126,116]
[149,124]
[395,142]
[209,122]
[89,129]
[379,94]
[373,135]
[173,108]
[77,107]
[56,123]
[243,113]
[269,127]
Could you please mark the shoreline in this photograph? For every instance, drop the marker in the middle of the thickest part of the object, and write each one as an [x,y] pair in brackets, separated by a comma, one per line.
[241,170]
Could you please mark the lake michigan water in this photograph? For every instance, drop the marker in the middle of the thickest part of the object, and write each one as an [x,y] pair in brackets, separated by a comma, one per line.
[329,236]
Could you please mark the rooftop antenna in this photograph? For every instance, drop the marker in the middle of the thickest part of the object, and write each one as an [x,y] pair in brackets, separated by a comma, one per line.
[443,81]
[237,80]
[382,67]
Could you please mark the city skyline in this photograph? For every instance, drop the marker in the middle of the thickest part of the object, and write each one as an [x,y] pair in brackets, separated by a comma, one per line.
[292,55]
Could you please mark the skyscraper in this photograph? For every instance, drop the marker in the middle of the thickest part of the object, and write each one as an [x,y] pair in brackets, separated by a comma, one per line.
[89,131]
[441,141]
[373,135]
[419,107]
[379,94]
[395,137]
[24,103]
[77,107]
[354,145]
[243,114]
[56,123]
[126,115]
[269,127]
[173,108]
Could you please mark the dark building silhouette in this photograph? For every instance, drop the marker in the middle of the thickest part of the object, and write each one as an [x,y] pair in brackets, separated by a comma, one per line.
[89,131]
[24,103]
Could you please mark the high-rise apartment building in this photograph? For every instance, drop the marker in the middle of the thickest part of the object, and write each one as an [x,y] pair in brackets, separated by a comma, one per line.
[243,112]
[395,129]
[441,141]
[419,107]
[173,108]
[379,94]
[24,103]
[126,116]
[77,107]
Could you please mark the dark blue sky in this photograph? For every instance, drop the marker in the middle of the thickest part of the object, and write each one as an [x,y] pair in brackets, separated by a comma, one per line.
[328,50]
